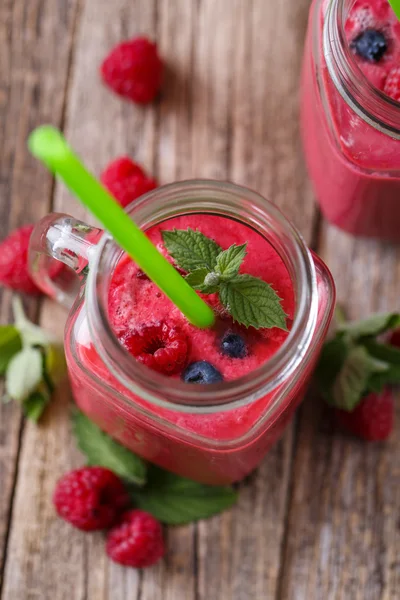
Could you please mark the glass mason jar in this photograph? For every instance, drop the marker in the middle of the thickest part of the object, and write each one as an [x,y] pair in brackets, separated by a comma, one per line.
[214,434]
[350,131]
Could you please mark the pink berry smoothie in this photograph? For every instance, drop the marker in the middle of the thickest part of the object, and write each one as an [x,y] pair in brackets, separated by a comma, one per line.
[355,168]
[184,442]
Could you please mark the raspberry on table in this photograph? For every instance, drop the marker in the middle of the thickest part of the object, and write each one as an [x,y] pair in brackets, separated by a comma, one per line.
[134,70]
[158,346]
[392,84]
[90,498]
[14,261]
[394,339]
[372,419]
[126,180]
[137,541]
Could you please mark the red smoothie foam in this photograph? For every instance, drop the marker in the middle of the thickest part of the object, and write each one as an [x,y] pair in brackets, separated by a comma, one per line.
[354,167]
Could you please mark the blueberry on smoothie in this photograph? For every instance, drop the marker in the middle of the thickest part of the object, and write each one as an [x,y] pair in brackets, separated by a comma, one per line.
[233,345]
[370,44]
[203,372]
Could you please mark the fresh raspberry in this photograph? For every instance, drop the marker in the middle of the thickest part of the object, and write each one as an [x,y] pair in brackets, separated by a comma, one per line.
[90,498]
[126,180]
[14,261]
[134,70]
[158,346]
[392,84]
[137,541]
[373,417]
[394,339]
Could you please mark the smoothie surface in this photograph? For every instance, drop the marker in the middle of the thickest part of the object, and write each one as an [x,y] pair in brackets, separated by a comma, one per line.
[135,301]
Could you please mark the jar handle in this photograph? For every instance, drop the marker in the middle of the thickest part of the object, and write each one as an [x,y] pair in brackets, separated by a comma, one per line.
[58,240]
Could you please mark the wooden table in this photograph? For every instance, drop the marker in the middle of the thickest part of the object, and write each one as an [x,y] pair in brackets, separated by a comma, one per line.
[320,518]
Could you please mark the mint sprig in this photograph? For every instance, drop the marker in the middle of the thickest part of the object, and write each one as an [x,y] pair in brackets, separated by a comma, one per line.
[249,300]
[10,344]
[31,362]
[355,362]
[172,499]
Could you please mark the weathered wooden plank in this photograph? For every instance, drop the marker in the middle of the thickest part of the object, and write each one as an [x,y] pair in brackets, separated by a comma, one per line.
[343,535]
[35,40]
[246,114]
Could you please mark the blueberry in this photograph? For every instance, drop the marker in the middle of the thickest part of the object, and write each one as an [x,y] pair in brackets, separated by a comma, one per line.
[233,345]
[201,372]
[370,44]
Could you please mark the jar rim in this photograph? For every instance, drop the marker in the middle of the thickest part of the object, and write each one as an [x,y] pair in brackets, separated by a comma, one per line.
[367,101]
[223,199]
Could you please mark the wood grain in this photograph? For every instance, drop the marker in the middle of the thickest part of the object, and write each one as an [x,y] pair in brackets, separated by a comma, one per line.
[343,535]
[35,41]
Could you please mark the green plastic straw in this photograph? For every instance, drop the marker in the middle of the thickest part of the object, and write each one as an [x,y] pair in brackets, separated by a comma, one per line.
[395,4]
[49,145]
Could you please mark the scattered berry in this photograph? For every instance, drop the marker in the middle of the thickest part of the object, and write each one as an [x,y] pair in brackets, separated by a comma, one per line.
[158,346]
[14,261]
[90,498]
[372,419]
[137,541]
[392,84]
[134,70]
[233,345]
[370,44]
[126,180]
[201,372]
[394,339]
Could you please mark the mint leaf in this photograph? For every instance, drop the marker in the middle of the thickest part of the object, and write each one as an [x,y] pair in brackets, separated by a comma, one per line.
[252,302]
[352,379]
[175,500]
[331,361]
[35,404]
[378,381]
[229,261]
[10,344]
[24,373]
[372,326]
[31,334]
[191,249]
[196,279]
[385,352]
[100,449]
[391,356]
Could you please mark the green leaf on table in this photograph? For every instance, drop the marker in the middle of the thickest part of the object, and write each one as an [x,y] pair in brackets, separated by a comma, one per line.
[378,381]
[229,261]
[331,361]
[175,500]
[24,373]
[102,450]
[31,334]
[35,404]
[373,326]
[191,249]
[10,344]
[352,379]
[252,302]
[385,352]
